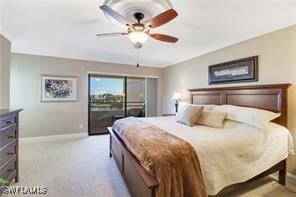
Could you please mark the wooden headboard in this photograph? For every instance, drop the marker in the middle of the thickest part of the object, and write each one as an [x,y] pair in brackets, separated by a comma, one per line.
[272,97]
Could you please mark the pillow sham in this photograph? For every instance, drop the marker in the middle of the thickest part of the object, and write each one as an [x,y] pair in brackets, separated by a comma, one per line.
[184,106]
[190,115]
[181,110]
[212,119]
[248,115]
[208,107]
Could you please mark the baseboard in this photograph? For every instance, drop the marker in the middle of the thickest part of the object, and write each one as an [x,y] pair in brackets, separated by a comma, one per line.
[53,137]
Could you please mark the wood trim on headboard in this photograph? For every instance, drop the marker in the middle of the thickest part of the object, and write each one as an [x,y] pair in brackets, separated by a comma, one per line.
[272,97]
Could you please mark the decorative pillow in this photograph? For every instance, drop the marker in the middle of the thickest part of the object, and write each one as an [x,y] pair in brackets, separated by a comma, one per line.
[248,115]
[212,118]
[184,106]
[190,115]
[209,107]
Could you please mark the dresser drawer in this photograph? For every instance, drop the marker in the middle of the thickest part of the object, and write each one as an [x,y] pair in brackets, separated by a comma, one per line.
[8,135]
[8,152]
[8,170]
[7,121]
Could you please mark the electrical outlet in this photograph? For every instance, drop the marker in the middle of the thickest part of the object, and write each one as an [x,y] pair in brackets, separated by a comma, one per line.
[81,126]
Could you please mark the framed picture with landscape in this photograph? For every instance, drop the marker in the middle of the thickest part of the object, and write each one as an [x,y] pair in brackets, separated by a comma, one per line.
[58,88]
[237,71]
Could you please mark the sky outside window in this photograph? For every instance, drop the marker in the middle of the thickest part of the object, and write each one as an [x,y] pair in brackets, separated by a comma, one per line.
[101,85]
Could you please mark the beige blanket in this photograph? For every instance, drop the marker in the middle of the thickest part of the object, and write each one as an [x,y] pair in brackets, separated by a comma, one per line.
[170,159]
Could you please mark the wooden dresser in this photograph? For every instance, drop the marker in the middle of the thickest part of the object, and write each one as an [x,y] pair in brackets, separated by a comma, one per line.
[9,142]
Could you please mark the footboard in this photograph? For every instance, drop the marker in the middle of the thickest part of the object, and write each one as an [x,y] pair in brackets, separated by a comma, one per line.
[136,178]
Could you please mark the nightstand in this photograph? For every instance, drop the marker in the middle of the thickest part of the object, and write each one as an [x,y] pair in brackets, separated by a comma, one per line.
[168,114]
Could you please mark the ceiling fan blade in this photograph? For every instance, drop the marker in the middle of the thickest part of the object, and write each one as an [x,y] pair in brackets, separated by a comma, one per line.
[109,11]
[162,18]
[111,34]
[164,38]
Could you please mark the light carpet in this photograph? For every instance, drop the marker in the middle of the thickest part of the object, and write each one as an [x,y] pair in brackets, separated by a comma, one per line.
[82,168]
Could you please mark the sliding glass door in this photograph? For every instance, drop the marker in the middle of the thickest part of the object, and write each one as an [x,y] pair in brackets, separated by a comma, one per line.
[115,97]
[106,102]
[135,97]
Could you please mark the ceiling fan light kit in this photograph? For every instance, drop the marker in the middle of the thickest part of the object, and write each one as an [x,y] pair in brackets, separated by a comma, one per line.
[138,33]
[138,37]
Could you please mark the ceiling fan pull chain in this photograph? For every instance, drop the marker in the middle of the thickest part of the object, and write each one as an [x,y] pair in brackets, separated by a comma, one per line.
[138,57]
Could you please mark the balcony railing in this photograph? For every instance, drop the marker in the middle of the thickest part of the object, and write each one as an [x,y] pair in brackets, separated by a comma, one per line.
[106,106]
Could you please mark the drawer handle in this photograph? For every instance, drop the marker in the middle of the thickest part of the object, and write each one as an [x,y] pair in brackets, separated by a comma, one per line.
[11,136]
[10,170]
[10,153]
[8,122]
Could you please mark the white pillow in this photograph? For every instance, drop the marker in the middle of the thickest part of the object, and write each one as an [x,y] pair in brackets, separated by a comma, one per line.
[252,116]
[181,110]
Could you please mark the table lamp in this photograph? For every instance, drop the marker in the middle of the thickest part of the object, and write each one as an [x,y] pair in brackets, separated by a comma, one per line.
[176,96]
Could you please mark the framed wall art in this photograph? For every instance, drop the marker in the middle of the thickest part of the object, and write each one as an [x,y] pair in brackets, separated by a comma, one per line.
[58,88]
[237,71]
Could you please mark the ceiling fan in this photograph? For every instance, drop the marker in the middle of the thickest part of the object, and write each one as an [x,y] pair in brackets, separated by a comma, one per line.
[138,32]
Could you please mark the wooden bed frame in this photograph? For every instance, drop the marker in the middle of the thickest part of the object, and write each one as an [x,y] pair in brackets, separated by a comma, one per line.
[269,97]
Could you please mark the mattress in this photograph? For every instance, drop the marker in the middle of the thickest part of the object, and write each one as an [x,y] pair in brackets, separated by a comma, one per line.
[234,154]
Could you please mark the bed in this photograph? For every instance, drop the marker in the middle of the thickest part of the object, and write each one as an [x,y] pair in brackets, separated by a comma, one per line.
[269,97]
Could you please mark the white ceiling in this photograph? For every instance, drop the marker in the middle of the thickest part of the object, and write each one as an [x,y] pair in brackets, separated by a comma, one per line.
[67,28]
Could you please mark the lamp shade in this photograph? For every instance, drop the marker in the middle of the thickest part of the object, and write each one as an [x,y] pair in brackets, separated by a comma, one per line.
[176,96]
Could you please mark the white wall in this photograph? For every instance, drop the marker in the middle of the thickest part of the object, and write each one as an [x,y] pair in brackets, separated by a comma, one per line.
[4,72]
[51,118]
[277,64]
